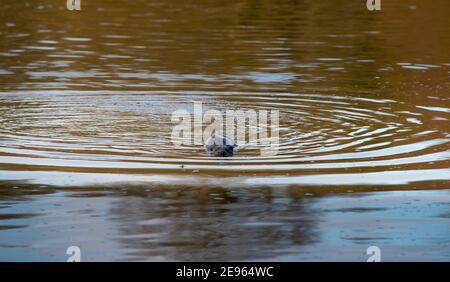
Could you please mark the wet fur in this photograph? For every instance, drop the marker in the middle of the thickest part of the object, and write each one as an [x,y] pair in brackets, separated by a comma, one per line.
[220,146]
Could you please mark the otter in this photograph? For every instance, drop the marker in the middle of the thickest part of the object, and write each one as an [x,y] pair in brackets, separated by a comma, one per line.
[219,146]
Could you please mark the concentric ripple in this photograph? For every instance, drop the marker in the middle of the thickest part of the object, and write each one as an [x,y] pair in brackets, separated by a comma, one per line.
[129,133]
[88,97]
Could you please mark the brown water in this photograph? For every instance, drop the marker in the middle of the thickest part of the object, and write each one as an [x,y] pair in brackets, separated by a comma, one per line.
[86,100]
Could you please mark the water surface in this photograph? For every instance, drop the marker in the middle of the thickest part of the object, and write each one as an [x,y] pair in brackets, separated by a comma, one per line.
[86,100]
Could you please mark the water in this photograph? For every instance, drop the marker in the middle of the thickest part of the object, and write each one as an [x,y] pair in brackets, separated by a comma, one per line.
[86,100]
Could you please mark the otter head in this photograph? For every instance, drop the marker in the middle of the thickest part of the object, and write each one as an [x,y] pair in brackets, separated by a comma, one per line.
[219,146]
[223,151]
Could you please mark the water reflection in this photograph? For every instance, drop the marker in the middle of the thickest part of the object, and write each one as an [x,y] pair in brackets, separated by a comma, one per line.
[96,100]
[208,224]
[86,101]
[191,224]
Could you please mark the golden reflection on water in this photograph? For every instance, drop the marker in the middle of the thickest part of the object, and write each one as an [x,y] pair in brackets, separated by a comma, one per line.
[86,100]
[94,91]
